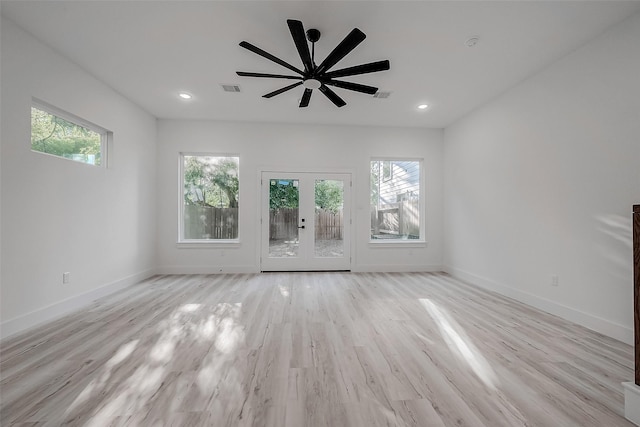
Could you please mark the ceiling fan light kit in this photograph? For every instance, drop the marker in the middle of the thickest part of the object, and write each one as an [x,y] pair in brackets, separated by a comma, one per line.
[318,76]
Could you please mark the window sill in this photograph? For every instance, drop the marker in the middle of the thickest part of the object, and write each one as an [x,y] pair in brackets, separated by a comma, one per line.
[400,243]
[207,244]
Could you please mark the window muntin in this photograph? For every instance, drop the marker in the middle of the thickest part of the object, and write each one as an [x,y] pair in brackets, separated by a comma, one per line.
[63,135]
[209,198]
[396,208]
[387,170]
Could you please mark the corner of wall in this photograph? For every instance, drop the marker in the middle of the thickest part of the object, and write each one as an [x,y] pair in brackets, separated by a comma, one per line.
[59,309]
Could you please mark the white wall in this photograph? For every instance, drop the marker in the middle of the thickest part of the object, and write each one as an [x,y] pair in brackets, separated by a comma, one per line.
[292,147]
[541,182]
[58,215]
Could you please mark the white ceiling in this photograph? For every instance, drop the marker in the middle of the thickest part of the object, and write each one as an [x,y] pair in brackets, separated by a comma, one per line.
[151,50]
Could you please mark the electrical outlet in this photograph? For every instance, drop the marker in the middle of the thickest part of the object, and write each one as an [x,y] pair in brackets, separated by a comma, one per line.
[554,280]
[65,277]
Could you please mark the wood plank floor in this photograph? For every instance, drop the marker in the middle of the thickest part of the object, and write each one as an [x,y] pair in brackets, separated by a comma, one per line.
[312,349]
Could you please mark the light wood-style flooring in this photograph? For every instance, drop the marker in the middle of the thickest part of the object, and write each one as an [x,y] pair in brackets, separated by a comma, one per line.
[312,349]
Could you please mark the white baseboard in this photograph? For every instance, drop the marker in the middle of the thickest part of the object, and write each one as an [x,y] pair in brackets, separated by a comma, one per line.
[206,269]
[47,314]
[395,268]
[222,269]
[595,323]
[632,402]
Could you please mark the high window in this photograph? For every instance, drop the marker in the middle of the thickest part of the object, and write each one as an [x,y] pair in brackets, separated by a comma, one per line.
[209,198]
[62,134]
[396,208]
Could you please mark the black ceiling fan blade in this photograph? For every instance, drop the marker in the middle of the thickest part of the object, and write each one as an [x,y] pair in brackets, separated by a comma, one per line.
[269,56]
[279,91]
[300,39]
[305,98]
[353,39]
[274,76]
[333,97]
[371,67]
[369,90]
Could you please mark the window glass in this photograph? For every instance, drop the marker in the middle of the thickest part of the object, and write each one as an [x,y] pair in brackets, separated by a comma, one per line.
[395,200]
[51,134]
[210,187]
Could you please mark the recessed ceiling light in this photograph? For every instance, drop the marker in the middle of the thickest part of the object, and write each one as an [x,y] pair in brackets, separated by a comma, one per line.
[185,95]
[422,106]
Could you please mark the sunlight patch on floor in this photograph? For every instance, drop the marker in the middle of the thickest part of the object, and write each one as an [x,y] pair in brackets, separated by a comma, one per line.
[128,389]
[460,344]
[284,291]
[616,245]
[228,335]
[99,383]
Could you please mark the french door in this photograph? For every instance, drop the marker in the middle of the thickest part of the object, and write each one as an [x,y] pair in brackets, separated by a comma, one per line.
[306,221]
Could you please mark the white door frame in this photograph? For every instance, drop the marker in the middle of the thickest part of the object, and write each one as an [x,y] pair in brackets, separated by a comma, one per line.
[306,261]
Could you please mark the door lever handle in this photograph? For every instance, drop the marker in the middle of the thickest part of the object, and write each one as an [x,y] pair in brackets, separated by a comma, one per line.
[301,226]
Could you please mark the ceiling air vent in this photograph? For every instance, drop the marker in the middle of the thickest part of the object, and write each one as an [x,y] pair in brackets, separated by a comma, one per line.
[381,95]
[231,88]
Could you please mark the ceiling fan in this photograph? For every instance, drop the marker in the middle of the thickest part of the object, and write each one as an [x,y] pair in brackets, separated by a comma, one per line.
[318,76]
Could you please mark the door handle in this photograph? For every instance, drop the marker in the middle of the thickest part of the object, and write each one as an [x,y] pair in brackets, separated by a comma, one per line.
[301,226]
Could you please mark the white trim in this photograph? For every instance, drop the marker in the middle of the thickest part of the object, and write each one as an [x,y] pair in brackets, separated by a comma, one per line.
[289,169]
[396,268]
[595,323]
[207,269]
[399,243]
[56,310]
[632,402]
[208,244]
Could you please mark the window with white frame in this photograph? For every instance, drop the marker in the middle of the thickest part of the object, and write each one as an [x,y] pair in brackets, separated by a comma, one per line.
[396,208]
[61,134]
[209,198]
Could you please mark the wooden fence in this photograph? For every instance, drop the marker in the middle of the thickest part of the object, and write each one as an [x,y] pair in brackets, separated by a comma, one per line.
[396,219]
[329,225]
[283,224]
[202,222]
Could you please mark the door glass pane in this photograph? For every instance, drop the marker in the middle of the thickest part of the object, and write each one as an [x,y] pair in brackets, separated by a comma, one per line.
[329,195]
[283,218]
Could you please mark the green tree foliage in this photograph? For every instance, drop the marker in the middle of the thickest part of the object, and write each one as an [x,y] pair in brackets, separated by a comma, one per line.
[211,181]
[283,193]
[53,135]
[329,195]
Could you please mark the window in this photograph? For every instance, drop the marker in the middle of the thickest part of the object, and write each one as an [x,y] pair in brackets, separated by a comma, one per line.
[395,200]
[209,198]
[63,135]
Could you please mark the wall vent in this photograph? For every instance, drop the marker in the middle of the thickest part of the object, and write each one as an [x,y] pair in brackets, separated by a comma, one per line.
[231,88]
[381,95]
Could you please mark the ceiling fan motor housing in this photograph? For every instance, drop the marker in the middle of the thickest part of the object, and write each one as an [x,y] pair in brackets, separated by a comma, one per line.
[313,35]
[311,83]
